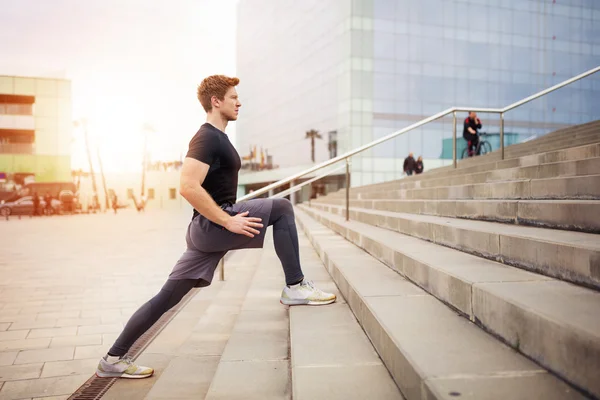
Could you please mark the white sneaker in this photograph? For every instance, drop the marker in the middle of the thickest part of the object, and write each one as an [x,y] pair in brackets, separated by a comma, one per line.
[305,293]
[123,368]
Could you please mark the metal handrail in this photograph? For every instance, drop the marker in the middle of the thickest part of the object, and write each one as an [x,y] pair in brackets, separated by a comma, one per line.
[346,156]
[437,116]
[295,188]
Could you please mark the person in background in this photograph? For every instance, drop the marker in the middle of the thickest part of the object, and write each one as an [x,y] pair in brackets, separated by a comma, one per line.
[419,165]
[115,203]
[409,164]
[470,127]
[48,200]
[36,204]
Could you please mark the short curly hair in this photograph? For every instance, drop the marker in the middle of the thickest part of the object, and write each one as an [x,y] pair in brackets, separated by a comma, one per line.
[214,85]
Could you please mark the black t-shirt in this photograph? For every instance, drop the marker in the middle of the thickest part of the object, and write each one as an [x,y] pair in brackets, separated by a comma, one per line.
[212,146]
[469,123]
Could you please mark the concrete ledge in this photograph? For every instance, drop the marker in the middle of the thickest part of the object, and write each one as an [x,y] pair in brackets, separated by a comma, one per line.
[571,341]
[485,165]
[576,187]
[573,215]
[428,349]
[562,254]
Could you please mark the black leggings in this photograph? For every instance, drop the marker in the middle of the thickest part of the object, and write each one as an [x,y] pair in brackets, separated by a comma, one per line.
[473,141]
[285,238]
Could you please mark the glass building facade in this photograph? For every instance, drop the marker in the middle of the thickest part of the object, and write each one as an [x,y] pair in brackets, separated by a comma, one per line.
[366,68]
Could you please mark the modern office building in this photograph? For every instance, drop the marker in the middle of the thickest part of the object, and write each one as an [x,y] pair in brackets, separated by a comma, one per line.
[35,128]
[366,68]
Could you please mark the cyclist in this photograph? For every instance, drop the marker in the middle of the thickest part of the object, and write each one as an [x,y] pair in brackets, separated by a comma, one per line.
[471,125]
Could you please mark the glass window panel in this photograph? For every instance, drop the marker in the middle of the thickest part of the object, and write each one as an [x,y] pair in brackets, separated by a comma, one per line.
[478,17]
[383,86]
[384,9]
[383,45]
[522,23]
[447,53]
[432,11]
[430,49]
[380,65]
[384,25]
[504,17]
[431,69]
[414,12]
[401,47]
[430,90]
[448,95]
[401,89]
[560,26]
[448,13]
[522,59]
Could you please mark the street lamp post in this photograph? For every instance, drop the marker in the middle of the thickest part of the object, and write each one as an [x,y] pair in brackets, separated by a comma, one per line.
[83,123]
[106,201]
[147,128]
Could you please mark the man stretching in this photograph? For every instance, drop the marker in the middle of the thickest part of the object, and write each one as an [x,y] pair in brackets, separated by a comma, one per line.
[209,179]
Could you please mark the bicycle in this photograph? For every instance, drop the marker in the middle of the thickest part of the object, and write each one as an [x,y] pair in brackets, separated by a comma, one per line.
[483,147]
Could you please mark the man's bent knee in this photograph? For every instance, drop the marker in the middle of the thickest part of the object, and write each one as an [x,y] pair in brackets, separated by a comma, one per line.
[284,205]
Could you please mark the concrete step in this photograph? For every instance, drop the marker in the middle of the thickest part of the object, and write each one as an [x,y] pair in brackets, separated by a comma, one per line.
[185,355]
[430,350]
[574,132]
[587,135]
[585,126]
[571,256]
[255,363]
[575,154]
[332,357]
[519,150]
[266,335]
[567,140]
[590,166]
[578,187]
[573,215]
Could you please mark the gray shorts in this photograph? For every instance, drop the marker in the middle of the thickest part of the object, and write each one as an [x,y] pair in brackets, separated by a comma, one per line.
[208,242]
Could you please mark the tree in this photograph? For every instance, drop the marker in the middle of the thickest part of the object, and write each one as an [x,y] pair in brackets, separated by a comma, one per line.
[312,135]
[147,129]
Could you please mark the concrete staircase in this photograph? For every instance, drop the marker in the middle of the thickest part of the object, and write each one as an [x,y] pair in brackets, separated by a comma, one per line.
[234,340]
[481,281]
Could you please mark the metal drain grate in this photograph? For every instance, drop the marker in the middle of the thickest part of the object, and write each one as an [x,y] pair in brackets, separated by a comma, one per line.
[94,388]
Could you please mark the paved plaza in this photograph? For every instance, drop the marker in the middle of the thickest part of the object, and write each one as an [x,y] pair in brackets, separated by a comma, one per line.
[69,283]
[67,286]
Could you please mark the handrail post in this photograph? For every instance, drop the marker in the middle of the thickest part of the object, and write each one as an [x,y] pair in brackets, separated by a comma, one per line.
[222,269]
[502,136]
[454,139]
[347,189]
[292,194]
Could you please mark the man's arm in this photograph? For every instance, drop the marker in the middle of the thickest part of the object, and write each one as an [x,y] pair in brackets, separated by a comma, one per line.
[478,123]
[193,173]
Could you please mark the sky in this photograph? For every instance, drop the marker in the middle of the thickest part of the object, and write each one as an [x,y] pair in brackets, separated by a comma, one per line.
[131,62]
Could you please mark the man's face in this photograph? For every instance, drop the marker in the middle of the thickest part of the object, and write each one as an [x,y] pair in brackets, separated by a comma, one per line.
[230,105]
[473,116]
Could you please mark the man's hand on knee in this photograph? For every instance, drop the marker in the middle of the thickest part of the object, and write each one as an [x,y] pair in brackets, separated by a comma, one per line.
[244,225]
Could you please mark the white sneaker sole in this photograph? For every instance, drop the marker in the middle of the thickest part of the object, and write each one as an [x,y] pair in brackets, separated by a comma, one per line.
[121,375]
[291,302]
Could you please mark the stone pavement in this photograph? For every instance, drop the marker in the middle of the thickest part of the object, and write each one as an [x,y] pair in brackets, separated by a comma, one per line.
[67,286]
[234,340]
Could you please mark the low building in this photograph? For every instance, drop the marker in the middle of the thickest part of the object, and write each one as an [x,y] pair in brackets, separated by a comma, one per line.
[35,128]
